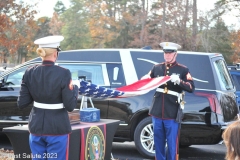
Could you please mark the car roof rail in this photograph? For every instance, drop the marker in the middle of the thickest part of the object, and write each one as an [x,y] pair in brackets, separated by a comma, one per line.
[147,47]
[234,67]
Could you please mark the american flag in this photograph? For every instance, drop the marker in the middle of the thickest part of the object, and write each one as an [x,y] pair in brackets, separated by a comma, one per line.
[138,88]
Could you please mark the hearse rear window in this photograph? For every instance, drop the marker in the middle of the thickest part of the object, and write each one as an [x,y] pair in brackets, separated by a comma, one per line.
[223,75]
[96,73]
[110,74]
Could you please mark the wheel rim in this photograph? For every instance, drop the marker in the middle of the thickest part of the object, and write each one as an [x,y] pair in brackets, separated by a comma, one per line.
[146,138]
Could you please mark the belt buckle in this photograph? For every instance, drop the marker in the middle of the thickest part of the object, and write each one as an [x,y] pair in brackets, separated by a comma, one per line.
[165,90]
[182,102]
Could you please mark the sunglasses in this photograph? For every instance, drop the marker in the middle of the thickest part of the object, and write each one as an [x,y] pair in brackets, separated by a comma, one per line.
[167,51]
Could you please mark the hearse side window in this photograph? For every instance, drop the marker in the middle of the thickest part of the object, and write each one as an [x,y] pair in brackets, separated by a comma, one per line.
[116,77]
[97,73]
[223,75]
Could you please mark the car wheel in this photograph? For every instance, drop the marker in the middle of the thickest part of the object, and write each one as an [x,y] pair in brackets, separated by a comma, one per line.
[143,138]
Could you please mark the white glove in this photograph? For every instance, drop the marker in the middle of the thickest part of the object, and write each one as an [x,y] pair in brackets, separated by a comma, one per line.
[146,76]
[76,82]
[175,79]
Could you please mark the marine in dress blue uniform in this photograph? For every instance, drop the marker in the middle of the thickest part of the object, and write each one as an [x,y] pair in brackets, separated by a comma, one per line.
[49,87]
[166,101]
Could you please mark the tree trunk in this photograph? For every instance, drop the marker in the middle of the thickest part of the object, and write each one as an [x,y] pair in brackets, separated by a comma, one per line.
[184,36]
[163,20]
[143,23]
[194,26]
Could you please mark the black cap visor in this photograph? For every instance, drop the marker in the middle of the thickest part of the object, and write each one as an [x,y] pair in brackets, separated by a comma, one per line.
[169,50]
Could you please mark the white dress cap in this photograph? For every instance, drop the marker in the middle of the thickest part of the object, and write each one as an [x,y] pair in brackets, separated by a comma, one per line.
[170,46]
[49,41]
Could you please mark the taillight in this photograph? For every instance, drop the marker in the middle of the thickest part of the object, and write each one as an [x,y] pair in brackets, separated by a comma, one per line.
[213,101]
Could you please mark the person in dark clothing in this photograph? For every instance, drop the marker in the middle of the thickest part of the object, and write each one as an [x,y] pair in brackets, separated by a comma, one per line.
[50,89]
[167,100]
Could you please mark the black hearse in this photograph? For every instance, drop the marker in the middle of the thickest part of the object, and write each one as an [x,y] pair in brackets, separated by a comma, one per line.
[207,111]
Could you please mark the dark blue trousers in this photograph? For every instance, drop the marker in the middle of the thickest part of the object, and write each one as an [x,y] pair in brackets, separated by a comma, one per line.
[165,131]
[49,147]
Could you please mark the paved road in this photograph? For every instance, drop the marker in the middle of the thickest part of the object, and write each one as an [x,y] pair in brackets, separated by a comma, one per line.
[127,151]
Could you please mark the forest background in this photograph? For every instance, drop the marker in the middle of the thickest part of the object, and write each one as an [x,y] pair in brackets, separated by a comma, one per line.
[119,24]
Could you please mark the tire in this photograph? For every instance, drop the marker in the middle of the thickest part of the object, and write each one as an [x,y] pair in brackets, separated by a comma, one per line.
[143,138]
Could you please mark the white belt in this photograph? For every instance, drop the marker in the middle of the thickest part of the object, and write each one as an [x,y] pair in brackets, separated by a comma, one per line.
[168,92]
[48,106]
[179,95]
